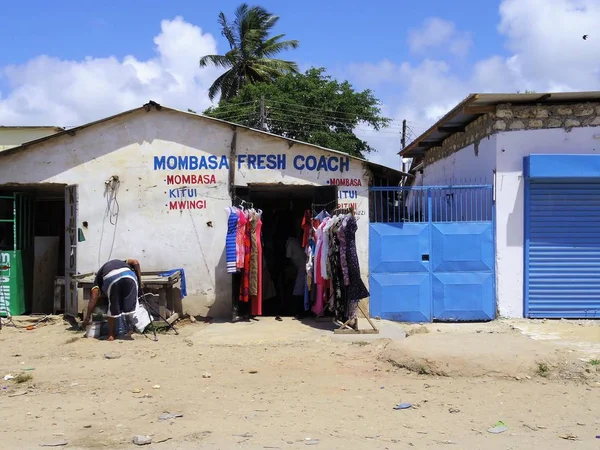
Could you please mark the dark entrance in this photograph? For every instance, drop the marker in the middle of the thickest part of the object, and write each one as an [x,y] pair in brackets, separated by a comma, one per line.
[283,208]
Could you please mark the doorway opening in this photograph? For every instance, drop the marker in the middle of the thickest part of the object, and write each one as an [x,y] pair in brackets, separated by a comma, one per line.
[283,208]
[32,248]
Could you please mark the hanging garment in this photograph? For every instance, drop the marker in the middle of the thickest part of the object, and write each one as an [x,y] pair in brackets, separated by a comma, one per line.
[343,254]
[230,240]
[337,277]
[239,239]
[253,254]
[318,306]
[256,306]
[245,283]
[310,253]
[325,266]
[306,227]
[356,288]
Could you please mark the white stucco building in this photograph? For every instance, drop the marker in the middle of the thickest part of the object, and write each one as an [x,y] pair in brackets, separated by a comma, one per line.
[154,183]
[541,153]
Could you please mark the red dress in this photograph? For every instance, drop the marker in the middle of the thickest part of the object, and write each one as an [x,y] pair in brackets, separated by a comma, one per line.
[256,306]
[245,284]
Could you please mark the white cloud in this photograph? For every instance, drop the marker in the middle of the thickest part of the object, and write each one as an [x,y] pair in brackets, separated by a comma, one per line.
[51,91]
[547,54]
[438,33]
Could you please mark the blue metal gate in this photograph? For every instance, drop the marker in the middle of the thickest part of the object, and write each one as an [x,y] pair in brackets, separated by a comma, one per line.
[431,253]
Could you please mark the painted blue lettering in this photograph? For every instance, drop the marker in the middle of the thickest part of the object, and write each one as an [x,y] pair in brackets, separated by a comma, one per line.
[281,161]
[212,162]
[299,162]
[345,164]
[172,162]
[330,164]
[183,162]
[272,162]
[193,161]
[260,163]
[311,162]
[173,193]
[251,161]
[224,162]
[241,160]
[159,163]
[323,163]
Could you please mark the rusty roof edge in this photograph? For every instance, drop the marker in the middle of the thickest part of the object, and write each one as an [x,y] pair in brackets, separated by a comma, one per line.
[449,115]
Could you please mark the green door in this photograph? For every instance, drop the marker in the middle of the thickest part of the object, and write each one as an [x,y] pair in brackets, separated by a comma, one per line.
[16,253]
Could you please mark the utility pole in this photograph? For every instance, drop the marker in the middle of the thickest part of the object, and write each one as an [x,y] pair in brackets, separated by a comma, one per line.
[262,119]
[403,140]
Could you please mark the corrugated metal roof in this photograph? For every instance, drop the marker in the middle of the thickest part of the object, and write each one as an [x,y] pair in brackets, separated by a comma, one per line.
[477,104]
[73,131]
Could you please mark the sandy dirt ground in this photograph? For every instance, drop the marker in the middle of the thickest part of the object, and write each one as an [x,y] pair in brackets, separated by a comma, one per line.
[293,385]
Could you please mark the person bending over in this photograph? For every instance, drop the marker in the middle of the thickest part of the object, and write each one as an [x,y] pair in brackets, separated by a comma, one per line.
[119,281]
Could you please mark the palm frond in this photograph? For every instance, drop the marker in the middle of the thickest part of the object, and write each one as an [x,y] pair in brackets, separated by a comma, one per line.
[216,60]
[227,31]
[278,65]
[272,47]
[224,85]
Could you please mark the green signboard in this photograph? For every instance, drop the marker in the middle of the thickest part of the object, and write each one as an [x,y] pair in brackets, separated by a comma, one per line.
[12,286]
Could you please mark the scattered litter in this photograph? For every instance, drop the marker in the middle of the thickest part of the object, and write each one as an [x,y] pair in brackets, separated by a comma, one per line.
[136,391]
[57,443]
[453,410]
[498,428]
[18,393]
[168,416]
[569,437]
[142,440]
[29,328]
[581,424]
[87,426]
[206,375]
[28,368]
[447,442]
[403,406]
[531,427]
[188,342]
[382,387]
[156,386]
[112,355]
[253,372]
[8,377]
[311,441]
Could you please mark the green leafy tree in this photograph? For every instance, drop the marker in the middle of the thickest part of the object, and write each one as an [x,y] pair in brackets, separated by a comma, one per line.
[251,55]
[310,107]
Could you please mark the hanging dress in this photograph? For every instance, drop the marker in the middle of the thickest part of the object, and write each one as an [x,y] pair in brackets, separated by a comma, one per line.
[245,284]
[337,277]
[239,239]
[306,227]
[256,306]
[356,288]
[230,240]
[318,306]
[253,254]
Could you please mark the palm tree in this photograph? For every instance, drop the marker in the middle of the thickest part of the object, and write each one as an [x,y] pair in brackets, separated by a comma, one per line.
[250,58]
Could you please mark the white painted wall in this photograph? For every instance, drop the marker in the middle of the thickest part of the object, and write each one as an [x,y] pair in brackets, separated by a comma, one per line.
[465,166]
[512,147]
[147,228]
[14,136]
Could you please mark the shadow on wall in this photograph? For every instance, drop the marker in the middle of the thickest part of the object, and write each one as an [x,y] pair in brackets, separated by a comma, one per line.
[514,221]
[221,307]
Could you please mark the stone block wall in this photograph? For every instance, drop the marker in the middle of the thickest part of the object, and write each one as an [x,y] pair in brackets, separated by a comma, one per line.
[508,117]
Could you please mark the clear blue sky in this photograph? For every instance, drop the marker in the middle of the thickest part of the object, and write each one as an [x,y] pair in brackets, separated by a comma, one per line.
[331,32]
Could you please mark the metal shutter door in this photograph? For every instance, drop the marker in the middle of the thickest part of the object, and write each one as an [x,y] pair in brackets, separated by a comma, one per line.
[563,250]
